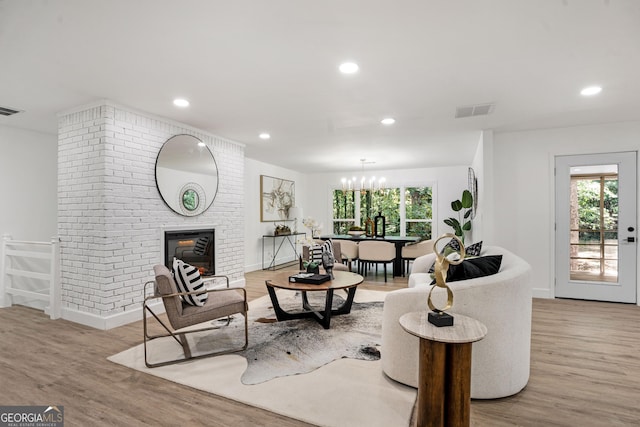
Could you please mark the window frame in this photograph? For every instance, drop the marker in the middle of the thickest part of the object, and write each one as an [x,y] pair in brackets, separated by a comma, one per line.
[403,220]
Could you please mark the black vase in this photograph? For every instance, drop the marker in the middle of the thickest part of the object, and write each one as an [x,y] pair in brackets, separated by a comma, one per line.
[379,224]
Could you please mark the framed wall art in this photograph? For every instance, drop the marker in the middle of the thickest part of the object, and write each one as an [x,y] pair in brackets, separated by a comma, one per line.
[277,195]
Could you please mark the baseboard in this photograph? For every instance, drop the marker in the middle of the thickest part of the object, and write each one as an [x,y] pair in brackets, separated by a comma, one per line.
[108,322]
[543,293]
[255,267]
[124,318]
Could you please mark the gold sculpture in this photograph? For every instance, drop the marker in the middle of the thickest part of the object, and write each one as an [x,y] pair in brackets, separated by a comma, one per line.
[439,317]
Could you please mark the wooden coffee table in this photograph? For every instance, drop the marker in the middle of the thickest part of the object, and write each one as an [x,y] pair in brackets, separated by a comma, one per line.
[342,280]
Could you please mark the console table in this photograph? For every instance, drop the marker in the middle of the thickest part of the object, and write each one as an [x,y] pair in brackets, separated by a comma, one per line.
[291,239]
[444,371]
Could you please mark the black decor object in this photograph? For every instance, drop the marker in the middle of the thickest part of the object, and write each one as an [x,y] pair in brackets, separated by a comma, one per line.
[440,318]
[314,279]
[313,268]
[379,225]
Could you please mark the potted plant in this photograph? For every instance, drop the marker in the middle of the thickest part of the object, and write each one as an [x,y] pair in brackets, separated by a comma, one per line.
[311,267]
[464,208]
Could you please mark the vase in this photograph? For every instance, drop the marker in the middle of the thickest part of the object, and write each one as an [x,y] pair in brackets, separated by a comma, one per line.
[379,225]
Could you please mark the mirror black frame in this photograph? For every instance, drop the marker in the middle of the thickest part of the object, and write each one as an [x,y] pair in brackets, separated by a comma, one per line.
[178,151]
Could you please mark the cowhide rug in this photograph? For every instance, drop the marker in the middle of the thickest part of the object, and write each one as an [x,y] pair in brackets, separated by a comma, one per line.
[278,349]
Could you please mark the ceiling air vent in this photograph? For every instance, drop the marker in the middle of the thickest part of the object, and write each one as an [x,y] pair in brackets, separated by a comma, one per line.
[474,110]
[6,111]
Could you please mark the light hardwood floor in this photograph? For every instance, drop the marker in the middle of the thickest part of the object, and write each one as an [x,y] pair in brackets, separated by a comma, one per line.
[585,371]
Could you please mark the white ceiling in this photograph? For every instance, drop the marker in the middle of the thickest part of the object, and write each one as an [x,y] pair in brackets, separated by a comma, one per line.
[254,66]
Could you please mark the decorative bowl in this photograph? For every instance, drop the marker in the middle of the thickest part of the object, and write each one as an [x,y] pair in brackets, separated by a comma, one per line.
[355,233]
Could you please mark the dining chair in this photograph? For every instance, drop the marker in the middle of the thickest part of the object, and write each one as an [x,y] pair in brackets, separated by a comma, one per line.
[375,252]
[412,251]
[350,252]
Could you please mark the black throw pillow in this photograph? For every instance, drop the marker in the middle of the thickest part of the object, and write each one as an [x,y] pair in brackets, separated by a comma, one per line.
[471,250]
[474,267]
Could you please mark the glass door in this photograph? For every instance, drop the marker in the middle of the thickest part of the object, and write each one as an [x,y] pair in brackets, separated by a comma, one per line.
[595,227]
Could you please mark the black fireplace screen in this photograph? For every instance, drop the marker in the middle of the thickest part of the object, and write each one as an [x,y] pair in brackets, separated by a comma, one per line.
[195,247]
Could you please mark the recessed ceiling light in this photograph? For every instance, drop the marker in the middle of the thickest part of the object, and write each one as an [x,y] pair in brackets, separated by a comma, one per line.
[388,121]
[202,144]
[264,135]
[591,90]
[180,102]
[349,68]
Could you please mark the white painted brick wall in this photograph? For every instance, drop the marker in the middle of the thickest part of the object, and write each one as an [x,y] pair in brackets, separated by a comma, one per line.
[110,212]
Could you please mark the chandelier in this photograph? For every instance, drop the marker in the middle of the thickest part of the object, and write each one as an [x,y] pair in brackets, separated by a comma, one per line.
[364,184]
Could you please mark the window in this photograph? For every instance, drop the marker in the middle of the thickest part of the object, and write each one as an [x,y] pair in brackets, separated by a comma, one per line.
[418,202]
[407,215]
[594,227]
[344,211]
[385,202]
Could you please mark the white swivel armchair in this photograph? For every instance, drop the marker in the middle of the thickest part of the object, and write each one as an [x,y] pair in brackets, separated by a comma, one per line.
[500,362]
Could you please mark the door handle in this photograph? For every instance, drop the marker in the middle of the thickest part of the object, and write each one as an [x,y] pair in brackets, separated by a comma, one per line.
[631,239]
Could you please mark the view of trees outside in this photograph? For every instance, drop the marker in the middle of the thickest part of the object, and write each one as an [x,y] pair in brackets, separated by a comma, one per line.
[367,204]
[386,203]
[594,227]
[418,202]
[344,209]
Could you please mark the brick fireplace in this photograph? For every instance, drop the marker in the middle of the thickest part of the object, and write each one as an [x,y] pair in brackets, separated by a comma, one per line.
[111,216]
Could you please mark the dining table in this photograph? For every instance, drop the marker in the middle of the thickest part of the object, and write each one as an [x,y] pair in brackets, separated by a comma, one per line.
[398,241]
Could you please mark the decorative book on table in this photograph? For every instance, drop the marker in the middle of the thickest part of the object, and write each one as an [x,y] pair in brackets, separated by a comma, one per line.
[311,278]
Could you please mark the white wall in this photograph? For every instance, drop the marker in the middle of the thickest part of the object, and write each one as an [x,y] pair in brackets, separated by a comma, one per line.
[523,187]
[28,194]
[28,184]
[254,229]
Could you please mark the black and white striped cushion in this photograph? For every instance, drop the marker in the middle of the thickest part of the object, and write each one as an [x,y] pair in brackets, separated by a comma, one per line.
[188,279]
[327,246]
[315,254]
[201,245]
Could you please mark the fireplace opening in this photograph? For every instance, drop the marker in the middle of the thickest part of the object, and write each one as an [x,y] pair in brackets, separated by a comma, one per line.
[194,247]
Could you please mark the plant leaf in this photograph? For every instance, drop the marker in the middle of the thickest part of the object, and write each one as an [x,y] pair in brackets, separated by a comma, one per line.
[467,214]
[467,199]
[452,222]
[456,205]
[467,226]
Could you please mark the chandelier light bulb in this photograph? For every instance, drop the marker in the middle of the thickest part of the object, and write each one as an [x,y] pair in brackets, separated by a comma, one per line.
[365,183]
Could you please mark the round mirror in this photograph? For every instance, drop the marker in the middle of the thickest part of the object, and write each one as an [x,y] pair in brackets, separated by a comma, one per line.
[186,175]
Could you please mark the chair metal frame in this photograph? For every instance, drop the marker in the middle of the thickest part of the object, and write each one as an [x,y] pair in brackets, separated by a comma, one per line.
[180,336]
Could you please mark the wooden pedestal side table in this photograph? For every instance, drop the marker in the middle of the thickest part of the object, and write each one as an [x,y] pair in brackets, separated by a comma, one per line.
[444,376]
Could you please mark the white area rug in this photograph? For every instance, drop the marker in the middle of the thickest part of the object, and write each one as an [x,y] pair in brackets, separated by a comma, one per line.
[345,392]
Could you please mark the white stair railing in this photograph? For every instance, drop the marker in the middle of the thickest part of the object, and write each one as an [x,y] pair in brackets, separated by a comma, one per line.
[10,251]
